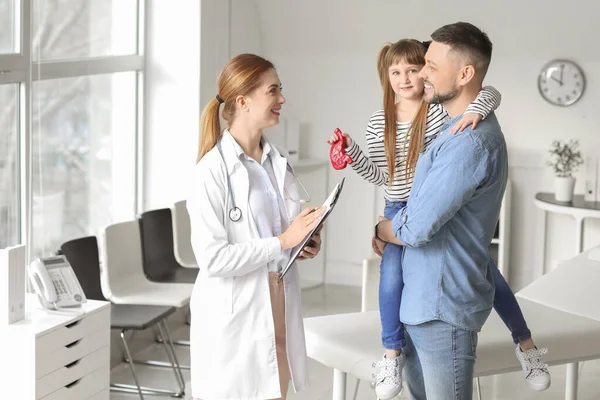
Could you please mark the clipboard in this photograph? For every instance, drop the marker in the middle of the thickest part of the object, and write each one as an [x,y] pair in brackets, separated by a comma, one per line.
[329,205]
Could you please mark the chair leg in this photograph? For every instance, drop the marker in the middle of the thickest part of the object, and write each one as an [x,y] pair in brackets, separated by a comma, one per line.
[141,390]
[170,350]
[177,342]
[157,363]
[478,387]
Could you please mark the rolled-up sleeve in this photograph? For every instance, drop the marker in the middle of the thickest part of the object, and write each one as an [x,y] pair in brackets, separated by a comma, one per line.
[459,167]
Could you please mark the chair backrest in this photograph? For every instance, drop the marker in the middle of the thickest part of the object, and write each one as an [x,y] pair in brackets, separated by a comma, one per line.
[156,230]
[370,284]
[121,250]
[182,235]
[83,256]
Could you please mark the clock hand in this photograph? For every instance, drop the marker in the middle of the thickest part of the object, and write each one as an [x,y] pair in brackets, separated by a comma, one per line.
[562,71]
[559,81]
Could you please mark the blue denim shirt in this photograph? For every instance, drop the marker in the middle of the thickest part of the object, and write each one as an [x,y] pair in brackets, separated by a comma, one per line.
[448,224]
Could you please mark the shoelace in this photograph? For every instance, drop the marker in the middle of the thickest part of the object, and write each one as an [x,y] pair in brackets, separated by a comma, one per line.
[387,372]
[533,362]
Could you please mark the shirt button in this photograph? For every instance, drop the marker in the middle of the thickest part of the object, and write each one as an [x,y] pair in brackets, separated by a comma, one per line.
[404,218]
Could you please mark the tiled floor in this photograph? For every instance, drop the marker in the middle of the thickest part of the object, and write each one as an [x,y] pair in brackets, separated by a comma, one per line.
[337,299]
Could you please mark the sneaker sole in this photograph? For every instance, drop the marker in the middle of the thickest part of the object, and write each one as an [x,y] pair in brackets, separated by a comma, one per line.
[389,396]
[539,387]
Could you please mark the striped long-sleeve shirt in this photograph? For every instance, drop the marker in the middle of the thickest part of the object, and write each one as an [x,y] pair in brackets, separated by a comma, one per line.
[374,167]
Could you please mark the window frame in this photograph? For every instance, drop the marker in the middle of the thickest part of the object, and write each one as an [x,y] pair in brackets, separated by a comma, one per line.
[20,68]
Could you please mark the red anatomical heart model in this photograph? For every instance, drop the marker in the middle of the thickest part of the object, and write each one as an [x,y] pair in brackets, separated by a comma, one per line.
[337,153]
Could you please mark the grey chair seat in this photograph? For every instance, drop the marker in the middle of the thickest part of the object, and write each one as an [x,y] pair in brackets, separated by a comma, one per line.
[137,317]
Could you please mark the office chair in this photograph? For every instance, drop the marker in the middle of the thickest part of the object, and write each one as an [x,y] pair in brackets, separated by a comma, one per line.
[160,264]
[124,280]
[83,256]
[182,232]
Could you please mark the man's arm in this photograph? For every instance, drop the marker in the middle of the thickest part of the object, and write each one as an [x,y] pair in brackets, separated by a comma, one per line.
[459,168]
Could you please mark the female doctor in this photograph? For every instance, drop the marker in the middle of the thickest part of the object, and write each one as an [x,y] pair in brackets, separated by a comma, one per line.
[247,334]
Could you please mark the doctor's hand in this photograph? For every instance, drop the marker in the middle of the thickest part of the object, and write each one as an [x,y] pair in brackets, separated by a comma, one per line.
[313,248]
[300,227]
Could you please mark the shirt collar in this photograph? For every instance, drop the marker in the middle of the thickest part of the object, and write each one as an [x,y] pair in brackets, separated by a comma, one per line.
[240,152]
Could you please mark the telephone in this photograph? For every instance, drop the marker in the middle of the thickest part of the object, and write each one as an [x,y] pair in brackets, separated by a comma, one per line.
[55,283]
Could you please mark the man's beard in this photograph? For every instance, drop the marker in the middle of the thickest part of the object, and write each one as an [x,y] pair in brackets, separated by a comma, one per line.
[440,98]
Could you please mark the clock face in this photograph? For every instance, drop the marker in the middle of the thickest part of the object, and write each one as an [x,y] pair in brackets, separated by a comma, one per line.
[561,82]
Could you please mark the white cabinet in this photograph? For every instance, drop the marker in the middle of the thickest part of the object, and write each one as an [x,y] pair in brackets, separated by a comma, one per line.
[500,249]
[57,356]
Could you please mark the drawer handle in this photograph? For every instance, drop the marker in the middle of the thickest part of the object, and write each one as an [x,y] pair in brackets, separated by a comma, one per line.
[72,324]
[74,363]
[73,344]
[75,382]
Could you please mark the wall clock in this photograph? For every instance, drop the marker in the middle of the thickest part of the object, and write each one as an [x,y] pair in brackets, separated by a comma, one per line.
[561,82]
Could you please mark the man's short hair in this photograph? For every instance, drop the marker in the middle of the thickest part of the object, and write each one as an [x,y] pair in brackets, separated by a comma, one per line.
[469,42]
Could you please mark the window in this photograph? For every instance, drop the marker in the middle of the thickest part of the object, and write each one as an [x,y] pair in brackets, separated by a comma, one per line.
[69,118]
[8,19]
[83,163]
[9,161]
[75,29]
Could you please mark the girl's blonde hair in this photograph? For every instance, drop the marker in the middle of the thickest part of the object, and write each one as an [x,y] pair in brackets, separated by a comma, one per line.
[412,52]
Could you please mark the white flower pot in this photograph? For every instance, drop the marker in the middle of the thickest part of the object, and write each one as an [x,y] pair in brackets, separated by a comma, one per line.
[563,188]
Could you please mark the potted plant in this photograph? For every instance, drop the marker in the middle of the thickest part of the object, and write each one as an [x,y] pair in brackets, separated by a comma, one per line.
[565,159]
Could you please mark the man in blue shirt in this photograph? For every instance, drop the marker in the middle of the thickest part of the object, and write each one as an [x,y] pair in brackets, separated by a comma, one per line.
[448,223]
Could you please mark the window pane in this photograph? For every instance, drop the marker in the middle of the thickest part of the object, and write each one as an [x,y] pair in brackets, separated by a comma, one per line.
[9,161]
[7,26]
[83,155]
[74,29]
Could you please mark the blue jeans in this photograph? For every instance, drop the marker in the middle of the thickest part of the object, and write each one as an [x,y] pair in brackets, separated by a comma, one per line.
[440,360]
[390,295]
[390,288]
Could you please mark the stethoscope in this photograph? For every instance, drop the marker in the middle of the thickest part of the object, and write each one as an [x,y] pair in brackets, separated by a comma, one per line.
[235,214]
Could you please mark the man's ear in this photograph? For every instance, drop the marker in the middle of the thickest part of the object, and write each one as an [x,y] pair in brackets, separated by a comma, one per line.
[467,73]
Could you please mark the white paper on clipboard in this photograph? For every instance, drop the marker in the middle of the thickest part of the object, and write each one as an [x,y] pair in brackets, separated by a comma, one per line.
[328,205]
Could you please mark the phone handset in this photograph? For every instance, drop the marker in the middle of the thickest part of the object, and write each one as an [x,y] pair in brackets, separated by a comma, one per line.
[42,284]
[56,284]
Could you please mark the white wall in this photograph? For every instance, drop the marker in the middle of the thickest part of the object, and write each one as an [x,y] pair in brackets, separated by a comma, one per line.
[189,43]
[325,52]
[172,108]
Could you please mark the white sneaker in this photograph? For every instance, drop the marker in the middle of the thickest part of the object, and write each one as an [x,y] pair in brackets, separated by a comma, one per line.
[536,372]
[388,382]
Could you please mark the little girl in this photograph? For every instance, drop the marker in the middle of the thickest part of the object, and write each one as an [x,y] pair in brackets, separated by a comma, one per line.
[395,137]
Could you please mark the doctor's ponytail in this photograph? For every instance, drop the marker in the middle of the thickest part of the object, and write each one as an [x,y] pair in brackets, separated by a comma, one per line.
[210,128]
[240,76]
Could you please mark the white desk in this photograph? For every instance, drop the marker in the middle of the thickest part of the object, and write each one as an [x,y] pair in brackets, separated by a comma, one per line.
[349,343]
[579,275]
[57,357]
[579,209]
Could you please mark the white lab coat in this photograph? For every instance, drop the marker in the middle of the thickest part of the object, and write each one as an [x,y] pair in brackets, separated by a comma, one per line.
[232,335]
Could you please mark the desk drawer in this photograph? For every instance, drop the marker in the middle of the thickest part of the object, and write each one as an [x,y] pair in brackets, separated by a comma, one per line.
[69,374]
[97,382]
[72,332]
[48,362]
[103,395]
